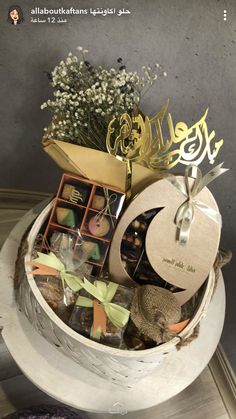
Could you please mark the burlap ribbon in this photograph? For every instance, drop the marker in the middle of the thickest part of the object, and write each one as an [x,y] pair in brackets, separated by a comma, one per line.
[104,294]
[153,310]
[185,213]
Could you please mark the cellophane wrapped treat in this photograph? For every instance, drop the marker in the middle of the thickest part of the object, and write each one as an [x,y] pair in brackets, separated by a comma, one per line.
[52,290]
[79,299]
[82,318]
[61,291]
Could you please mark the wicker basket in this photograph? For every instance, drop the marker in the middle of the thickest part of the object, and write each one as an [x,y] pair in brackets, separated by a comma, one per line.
[121,367]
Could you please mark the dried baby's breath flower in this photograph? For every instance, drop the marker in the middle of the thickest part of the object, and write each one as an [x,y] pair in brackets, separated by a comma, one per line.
[86,98]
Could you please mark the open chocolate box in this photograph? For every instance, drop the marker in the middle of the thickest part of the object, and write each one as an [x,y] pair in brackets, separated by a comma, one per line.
[87,210]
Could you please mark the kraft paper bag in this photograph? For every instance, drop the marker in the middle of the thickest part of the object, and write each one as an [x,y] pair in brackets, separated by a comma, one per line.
[97,166]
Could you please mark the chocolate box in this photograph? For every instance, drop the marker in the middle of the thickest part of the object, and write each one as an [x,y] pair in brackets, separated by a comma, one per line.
[89,212]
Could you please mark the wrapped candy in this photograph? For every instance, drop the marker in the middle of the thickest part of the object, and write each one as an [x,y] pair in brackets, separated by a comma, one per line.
[101,311]
[59,273]
[52,290]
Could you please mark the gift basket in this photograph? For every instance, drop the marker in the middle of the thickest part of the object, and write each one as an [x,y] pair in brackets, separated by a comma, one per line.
[119,268]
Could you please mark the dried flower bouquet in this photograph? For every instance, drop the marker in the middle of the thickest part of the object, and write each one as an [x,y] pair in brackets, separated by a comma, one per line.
[87,97]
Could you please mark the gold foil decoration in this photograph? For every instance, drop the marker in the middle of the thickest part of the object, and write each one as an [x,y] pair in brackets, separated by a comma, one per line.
[141,140]
[122,146]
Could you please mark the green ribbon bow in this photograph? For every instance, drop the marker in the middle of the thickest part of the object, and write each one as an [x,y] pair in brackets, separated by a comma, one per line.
[104,293]
[185,213]
[51,260]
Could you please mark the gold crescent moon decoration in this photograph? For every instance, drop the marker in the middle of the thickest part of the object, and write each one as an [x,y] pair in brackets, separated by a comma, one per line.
[140,140]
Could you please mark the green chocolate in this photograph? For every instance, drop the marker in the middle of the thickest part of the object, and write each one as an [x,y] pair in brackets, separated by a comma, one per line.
[96,255]
[66,217]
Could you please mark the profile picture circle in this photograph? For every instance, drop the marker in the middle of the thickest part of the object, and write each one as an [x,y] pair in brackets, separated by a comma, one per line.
[15,15]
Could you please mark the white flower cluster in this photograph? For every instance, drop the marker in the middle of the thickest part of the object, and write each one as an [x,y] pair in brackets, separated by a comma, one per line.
[87,97]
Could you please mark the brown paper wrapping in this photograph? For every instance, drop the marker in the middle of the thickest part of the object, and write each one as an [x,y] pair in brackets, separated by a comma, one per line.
[97,166]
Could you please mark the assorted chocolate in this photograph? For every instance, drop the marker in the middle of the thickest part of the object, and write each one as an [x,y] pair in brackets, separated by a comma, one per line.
[98,202]
[133,253]
[66,217]
[73,195]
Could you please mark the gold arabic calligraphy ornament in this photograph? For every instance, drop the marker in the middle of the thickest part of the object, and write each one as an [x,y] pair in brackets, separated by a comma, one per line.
[141,140]
[122,146]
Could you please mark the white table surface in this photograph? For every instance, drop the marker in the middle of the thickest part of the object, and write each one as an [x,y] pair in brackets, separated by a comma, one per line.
[66,381]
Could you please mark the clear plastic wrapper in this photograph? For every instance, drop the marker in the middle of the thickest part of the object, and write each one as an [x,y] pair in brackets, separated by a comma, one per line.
[82,318]
[70,249]
[52,290]
[57,290]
